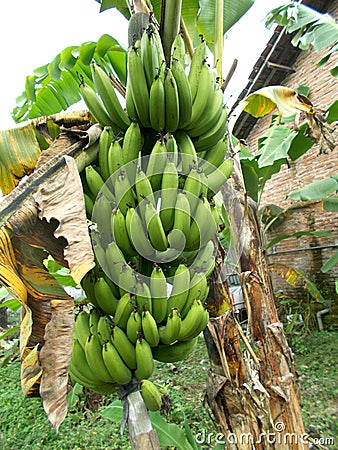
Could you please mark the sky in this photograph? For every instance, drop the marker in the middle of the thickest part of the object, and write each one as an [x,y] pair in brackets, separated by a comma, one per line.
[33,32]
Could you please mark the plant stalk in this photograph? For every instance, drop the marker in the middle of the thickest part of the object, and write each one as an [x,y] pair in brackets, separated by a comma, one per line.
[218,50]
[171,25]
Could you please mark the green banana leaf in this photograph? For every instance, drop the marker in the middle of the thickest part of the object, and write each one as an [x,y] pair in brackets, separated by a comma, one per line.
[198,15]
[297,235]
[316,190]
[55,86]
[233,11]
[311,28]
[169,434]
[330,263]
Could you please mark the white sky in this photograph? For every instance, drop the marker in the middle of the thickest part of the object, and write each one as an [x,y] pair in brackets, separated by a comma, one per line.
[33,32]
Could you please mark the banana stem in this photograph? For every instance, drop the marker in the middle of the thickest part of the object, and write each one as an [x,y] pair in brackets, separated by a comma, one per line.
[218,51]
[171,25]
[186,37]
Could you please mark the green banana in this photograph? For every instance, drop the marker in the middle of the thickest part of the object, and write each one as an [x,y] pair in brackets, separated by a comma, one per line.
[158,290]
[214,157]
[182,215]
[127,279]
[151,57]
[203,227]
[81,328]
[87,284]
[170,331]
[191,324]
[115,261]
[192,189]
[169,188]
[125,196]
[134,326]
[143,187]
[155,228]
[207,121]
[93,351]
[137,234]
[138,85]
[96,385]
[124,347]
[187,151]
[132,143]
[95,106]
[104,296]
[101,215]
[104,327]
[172,148]
[184,93]
[180,288]
[156,164]
[117,369]
[89,205]
[143,296]
[149,329]
[94,317]
[204,259]
[172,109]
[213,135]
[144,359]
[106,138]
[80,370]
[120,235]
[178,49]
[217,178]
[115,156]
[94,180]
[204,96]
[123,310]
[198,289]
[151,395]
[157,104]
[109,98]
[197,61]
[174,352]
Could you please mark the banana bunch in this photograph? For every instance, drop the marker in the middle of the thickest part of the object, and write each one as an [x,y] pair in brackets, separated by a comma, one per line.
[149,201]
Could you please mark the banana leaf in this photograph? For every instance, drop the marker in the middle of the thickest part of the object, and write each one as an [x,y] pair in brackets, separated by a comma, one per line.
[54,87]
[293,276]
[311,28]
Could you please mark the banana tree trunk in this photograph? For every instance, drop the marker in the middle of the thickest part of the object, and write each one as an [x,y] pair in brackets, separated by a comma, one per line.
[252,393]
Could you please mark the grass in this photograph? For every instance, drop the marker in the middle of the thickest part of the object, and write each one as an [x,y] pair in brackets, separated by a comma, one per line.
[24,424]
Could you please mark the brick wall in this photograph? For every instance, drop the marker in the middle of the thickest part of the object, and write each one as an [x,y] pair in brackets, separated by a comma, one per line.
[307,253]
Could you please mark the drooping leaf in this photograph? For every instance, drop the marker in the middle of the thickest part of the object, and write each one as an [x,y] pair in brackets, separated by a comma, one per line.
[113,412]
[312,28]
[330,263]
[169,434]
[330,204]
[316,190]
[274,145]
[333,112]
[300,143]
[233,11]
[297,234]
[293,276]
[55,86]
[11,304]
[19,151]
[9,332]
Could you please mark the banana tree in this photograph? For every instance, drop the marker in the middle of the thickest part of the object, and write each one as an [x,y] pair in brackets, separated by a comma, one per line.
[32,218]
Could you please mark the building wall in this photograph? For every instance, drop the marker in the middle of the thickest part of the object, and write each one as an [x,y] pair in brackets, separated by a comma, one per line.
[307,253]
